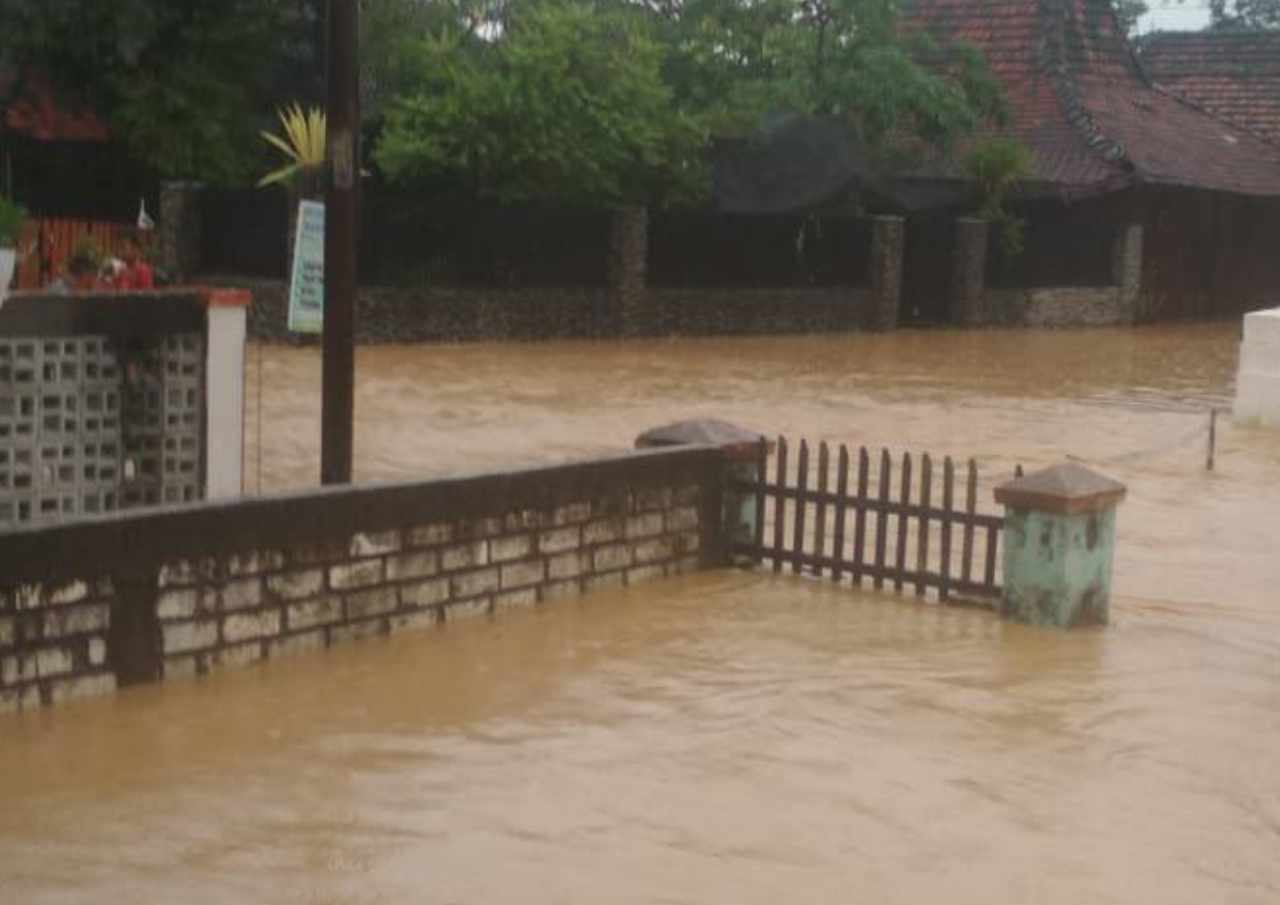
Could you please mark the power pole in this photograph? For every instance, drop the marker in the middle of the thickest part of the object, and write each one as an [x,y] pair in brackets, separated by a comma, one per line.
[341,233]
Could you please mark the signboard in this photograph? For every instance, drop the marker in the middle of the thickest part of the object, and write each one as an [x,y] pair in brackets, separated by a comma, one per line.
[306,285]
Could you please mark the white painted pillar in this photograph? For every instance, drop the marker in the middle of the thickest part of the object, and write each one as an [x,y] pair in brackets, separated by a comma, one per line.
[224,388]
[1258,380]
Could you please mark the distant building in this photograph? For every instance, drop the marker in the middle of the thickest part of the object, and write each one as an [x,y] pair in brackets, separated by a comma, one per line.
[1235,75]
[58,156]
[1111,145]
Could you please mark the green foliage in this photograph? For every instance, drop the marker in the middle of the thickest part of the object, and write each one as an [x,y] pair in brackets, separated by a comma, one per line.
[1244,15]
[303,144]
[569,104]
[613,101]
[85,258]
[182,82]
[997,165]
[12,218]
[1128,12]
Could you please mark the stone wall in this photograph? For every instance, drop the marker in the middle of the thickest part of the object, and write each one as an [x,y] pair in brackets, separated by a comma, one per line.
[88,606]
[1066,306]
[431,314]
[1049,306]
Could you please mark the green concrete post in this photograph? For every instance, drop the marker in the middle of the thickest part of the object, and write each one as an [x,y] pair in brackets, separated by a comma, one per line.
[1059,543]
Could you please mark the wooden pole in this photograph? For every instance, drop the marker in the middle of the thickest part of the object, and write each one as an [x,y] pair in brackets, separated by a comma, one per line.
[342,217]
[1213,438]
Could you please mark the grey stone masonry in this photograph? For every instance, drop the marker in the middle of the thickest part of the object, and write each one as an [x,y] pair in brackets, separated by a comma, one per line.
[628,261]
[180,229]
[189,591]
[887,240]
[969,266]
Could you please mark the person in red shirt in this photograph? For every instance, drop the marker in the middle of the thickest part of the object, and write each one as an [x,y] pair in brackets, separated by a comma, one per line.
[137,273]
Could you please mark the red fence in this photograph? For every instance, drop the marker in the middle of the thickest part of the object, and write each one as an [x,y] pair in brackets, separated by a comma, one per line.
[47,244]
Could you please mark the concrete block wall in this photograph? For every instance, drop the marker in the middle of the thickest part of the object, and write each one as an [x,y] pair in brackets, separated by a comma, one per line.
[92,605]
[1258,378]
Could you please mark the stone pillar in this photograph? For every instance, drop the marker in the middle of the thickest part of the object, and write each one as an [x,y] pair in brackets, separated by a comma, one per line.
[886,272]
[969,272]
[180,229]
[628,266]
[1126,269]
[1258,380]
[1059,541]
[742,449]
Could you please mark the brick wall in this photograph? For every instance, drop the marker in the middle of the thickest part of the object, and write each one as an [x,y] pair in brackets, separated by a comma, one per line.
[53,643]
[88,606]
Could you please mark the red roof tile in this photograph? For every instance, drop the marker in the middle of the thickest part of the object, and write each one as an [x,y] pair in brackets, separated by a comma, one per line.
[1080,100]
[42,112]
[1235,75]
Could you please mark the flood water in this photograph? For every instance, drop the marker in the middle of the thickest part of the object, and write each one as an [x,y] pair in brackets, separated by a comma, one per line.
[1131,403]
[728,737]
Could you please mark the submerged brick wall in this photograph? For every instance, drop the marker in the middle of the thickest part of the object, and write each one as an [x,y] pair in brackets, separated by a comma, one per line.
[229,611]
[87,606]
[53,643]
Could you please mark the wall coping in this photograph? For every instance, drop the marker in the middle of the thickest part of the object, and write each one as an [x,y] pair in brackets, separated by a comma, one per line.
[161,311]
[210,296]
[148,537]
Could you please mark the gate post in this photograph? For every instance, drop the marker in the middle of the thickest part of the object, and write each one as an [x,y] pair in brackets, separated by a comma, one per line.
[180,230]
[1059,544]
[628,267]
[887,237]
[1126,269]
[969,272]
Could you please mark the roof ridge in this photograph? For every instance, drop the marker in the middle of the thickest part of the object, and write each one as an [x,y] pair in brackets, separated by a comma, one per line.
[1051,60]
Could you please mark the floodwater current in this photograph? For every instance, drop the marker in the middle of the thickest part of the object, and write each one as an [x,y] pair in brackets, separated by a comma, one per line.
[729,737]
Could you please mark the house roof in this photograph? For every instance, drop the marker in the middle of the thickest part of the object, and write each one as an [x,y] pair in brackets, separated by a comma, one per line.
[42,112]
[1235,75]
[1081,101]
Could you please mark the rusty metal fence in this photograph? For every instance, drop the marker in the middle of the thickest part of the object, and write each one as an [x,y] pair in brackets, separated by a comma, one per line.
[849,524]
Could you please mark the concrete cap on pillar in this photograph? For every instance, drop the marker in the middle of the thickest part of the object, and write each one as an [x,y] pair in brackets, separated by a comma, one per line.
[1068,488]
[738,443]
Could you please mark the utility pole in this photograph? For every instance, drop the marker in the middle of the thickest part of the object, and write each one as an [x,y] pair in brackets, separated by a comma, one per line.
[341,233]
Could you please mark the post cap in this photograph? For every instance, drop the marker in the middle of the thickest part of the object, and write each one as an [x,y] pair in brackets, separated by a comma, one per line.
[739,443]
[1067,488]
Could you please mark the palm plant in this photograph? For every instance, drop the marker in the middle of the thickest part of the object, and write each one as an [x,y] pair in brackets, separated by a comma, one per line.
[304,146]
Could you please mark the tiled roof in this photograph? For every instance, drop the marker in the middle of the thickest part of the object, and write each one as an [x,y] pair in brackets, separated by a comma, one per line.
[42,112]
[1080,100]
[1235,75]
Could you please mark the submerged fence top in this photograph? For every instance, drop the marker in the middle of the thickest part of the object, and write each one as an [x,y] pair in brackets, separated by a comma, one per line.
[902,539]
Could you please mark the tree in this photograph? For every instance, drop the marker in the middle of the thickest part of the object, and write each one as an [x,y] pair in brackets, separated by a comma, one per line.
[1244,15]
[183,82]
[1128,12]
[569,102]
[612,100]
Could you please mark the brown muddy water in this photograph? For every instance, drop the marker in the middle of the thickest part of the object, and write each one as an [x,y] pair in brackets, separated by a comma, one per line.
[729,737]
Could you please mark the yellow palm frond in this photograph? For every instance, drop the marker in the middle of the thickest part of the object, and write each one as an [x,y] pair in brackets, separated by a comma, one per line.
[303,142]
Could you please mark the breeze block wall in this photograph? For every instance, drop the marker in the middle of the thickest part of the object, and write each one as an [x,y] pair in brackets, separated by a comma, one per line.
[88,606]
